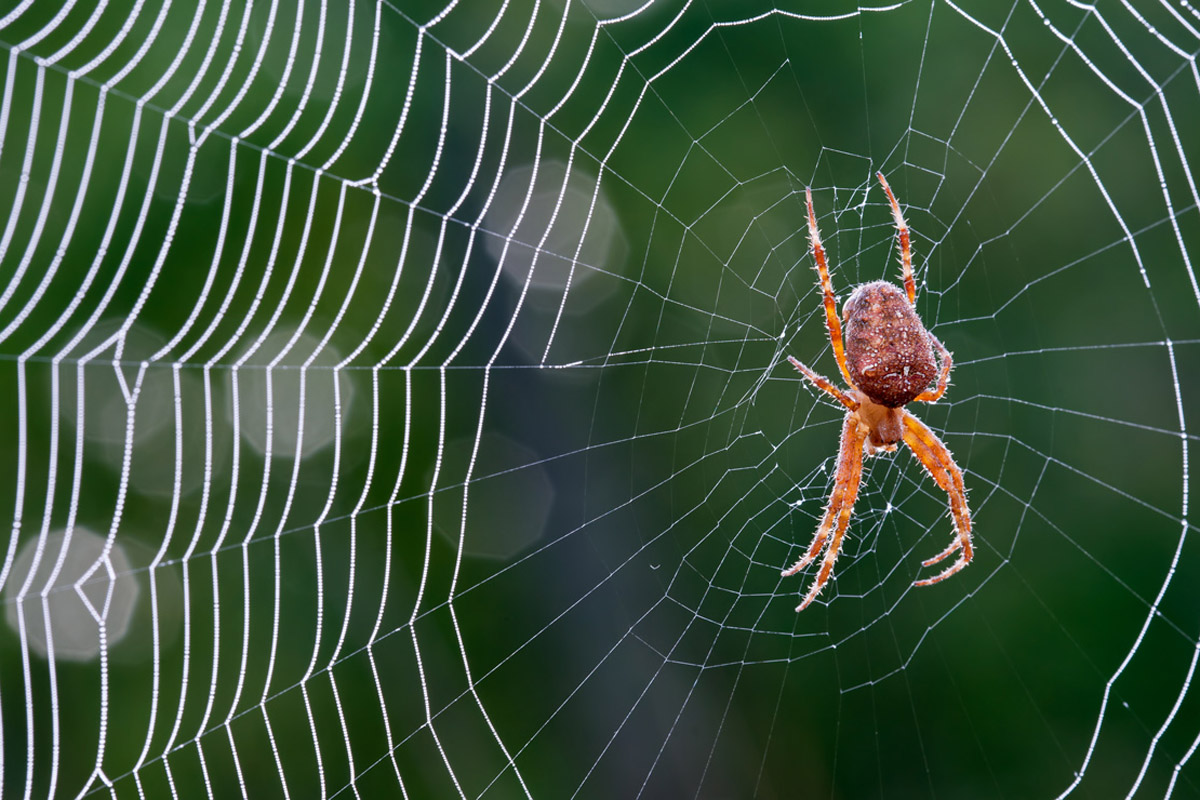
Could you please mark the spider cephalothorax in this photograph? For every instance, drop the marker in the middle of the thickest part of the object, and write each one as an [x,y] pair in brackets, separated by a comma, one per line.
[888,361]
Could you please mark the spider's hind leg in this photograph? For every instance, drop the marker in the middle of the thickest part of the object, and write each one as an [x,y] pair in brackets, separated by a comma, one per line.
[832,323]
[933,395]
[910,285]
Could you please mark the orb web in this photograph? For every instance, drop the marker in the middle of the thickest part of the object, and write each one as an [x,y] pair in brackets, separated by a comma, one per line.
[396,399]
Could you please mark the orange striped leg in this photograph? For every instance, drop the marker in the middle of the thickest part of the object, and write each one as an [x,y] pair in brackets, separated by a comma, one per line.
[933,395]
[841,506]
[831,316]
[822,383]
[832,509]
[938,462]
[910,285]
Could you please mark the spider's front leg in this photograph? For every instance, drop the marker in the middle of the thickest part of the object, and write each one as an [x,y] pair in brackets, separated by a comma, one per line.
[939,463]
[841,505]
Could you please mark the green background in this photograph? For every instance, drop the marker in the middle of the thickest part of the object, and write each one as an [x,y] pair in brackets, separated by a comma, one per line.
[616,617]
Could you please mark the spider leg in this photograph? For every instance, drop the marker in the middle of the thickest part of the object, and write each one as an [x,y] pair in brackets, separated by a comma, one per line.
[839,509]
[831,315]
[832,509]
[910,285]
[949,551]
[939,463]
[824,385]
[933,395]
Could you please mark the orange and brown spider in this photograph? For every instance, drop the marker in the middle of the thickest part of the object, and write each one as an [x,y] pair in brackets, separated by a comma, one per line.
[888,362]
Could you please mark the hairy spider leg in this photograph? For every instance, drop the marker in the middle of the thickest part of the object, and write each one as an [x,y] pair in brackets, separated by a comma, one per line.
[933,395]
[824,385]
[940,465]
[839,509]
[910,285]
[831,314]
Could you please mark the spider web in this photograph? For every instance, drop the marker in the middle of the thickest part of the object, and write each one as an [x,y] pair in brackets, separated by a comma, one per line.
[395,399]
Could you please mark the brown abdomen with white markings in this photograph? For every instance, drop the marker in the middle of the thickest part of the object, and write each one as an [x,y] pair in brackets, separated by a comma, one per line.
[888,350]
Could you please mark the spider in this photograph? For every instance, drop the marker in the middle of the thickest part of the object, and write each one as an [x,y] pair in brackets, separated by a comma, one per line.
[888,362]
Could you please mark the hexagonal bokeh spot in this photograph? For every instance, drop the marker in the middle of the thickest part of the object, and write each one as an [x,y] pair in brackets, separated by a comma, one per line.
[509,497]
[284,369]
[113,393]
[603,242]
[74,604]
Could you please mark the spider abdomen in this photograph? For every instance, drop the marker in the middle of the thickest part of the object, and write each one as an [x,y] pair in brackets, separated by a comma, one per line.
[888,351]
